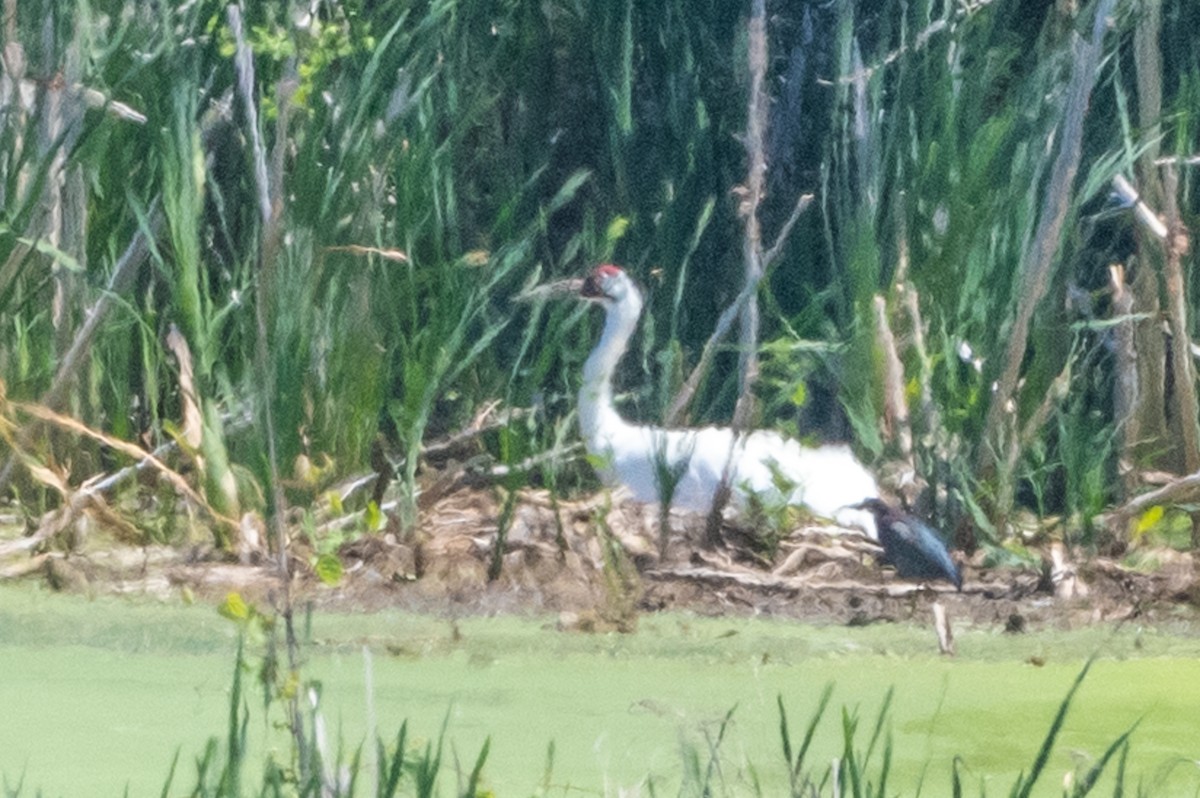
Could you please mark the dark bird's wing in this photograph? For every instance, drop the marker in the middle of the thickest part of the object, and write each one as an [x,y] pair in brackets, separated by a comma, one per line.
[916,551]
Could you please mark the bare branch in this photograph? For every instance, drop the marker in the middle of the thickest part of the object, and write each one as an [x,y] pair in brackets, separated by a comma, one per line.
[1184,489]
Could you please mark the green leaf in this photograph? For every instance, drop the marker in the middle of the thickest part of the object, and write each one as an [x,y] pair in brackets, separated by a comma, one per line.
[569,188]
[64,259]
[235,608]
[372,517]
[800,395]
[616,229]
[329,569]
[1148,521]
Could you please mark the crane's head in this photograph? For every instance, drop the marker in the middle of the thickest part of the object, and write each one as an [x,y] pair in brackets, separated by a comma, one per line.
[607,283]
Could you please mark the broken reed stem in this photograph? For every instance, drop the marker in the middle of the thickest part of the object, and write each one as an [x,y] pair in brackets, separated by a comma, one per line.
[1177,317]
[1184,489]
[1145,214]
[941,624]
[1125,381]
[752,250]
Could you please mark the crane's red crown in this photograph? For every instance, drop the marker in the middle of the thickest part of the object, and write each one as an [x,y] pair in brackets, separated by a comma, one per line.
[593,286]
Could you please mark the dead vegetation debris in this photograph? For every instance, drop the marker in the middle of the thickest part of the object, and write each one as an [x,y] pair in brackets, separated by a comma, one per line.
[597,563]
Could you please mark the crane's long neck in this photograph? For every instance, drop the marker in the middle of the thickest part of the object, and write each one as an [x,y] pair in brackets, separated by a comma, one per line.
[596,412]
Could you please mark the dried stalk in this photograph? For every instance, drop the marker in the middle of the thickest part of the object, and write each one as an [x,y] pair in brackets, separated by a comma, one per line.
[1177,317]
[754,189]
[895,406]
[1145,214]
[930,422]
[1125,384]
[941,625]
[1182,365]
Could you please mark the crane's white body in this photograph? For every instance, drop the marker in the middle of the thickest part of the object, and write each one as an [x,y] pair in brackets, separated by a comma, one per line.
[826,479]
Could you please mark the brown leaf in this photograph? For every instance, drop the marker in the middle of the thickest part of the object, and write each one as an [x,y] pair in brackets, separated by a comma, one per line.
[193,429]
[136,452]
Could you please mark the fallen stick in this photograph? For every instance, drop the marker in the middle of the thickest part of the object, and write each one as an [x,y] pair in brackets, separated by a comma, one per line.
[798,584]
[941,625]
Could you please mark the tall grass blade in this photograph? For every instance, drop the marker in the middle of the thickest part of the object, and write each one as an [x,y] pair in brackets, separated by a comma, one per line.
[166,790]
[884,709]
[392,767]
[796,766]
[1024,785]
[473,782]
[713,768]
[426,768]
[231,783]
[1119,787]
[1121,744]
[850,764]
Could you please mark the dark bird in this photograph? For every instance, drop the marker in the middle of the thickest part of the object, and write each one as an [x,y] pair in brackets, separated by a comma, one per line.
[911,545]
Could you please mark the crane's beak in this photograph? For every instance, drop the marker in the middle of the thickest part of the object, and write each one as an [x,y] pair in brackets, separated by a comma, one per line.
[557,290]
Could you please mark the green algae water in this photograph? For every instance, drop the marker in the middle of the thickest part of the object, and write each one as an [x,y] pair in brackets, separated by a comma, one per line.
[99,696]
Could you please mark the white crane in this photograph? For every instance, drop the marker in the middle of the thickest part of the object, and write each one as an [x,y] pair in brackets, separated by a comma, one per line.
[645,459]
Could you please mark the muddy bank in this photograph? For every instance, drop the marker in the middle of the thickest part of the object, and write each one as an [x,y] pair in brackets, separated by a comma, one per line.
[600,566]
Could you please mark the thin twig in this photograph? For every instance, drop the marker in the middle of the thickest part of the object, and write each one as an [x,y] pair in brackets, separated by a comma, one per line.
[46,415]
[724,324]
[785,232]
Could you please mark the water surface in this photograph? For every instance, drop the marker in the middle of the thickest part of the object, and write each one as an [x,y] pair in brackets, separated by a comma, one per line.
[100,695]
